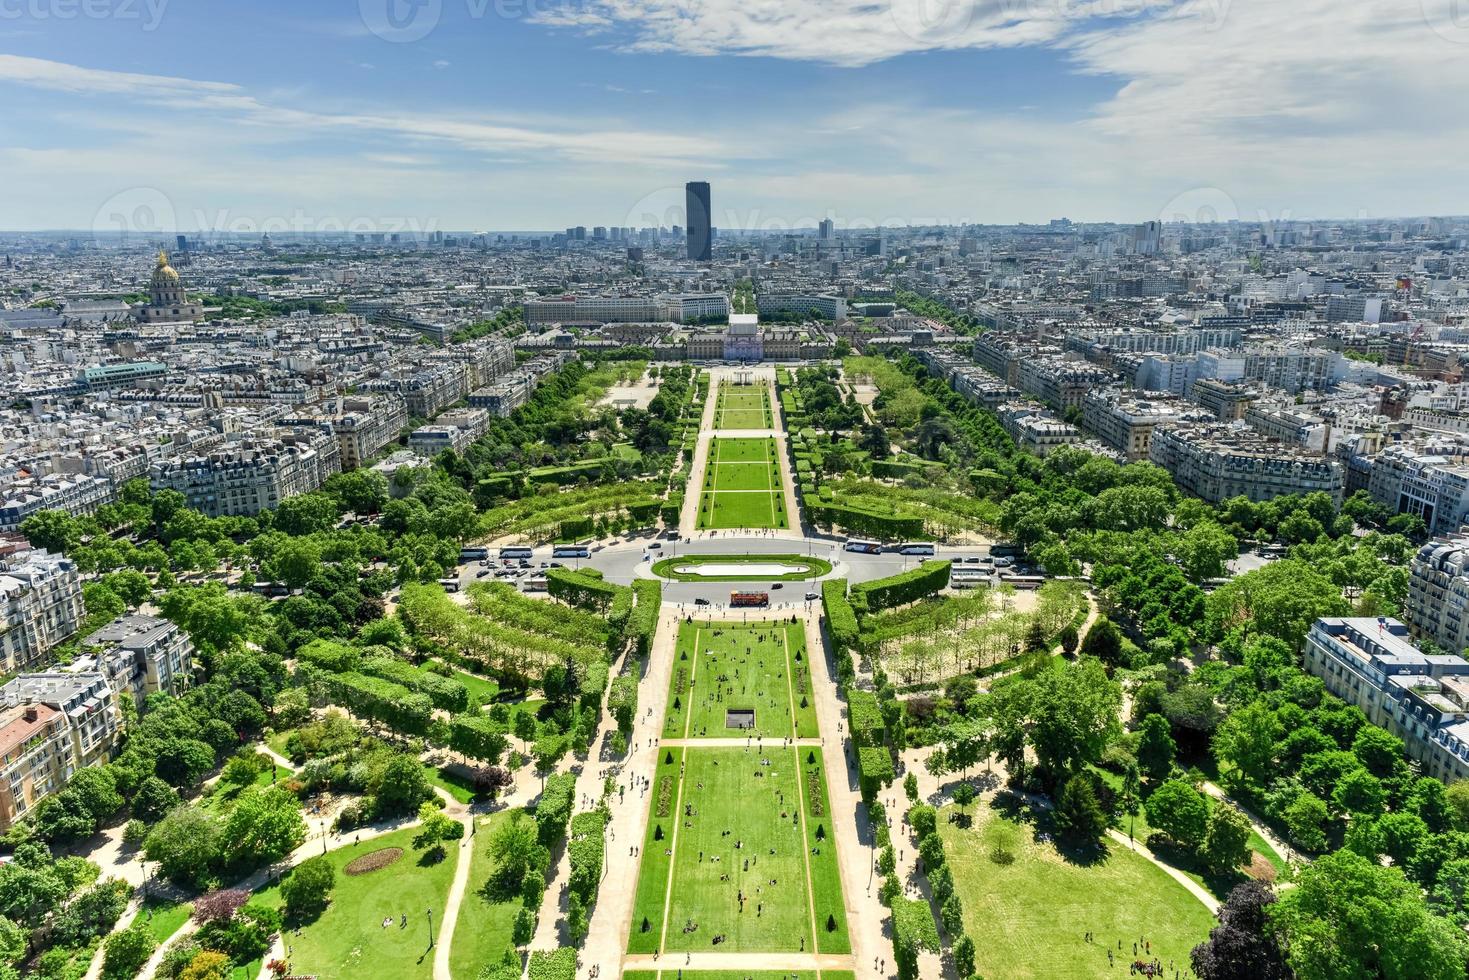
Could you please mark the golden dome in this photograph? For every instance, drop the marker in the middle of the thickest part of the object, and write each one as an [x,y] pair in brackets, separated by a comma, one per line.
[164,271]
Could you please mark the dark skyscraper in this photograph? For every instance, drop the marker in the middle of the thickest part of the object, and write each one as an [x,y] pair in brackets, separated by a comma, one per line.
[699,233]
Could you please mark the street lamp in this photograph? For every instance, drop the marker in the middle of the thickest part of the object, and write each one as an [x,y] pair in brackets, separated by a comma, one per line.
[430,928]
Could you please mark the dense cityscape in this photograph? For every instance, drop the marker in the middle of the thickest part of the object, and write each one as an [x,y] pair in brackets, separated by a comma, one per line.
[831,490]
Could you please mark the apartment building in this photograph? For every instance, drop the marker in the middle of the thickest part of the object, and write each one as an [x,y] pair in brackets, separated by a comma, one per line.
[139,655]
[592,309]
[1217,462]
[1228,401]
[1035,430]
[1294,369]
[364,427]
[455,429]
[1438,592]
[75,494]
[1423,699]
[253,474]
[51,725]
[1126,424]
[1059,383]
[1429,480]
[40,606]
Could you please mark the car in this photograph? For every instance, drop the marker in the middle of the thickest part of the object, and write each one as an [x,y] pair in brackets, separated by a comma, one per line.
[524,563]
[556,564]
[655,546]
[776,585]
[972,560]
[1003,562]
[482,573]
[701,601]
[812,596]
[543,564]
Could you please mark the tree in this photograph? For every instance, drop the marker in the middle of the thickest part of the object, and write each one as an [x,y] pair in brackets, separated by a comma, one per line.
[1155,748]
[964,956]
[153,799]
[1351,917]
[1226,843]
[1378,749]
[1179,811]
[403,786]
[1245,747]
[1305,819]
[55,530]
[910,787]
[1359,792]
[513,847]
[13,941]
[1103,641]
[1078,813]
[264,825]
[307,889]
[219,905]
[435,827]
[125,952]
[186,845]
[1281,599]
[30,891]
[1073,715]
[1242,946]
[964,794]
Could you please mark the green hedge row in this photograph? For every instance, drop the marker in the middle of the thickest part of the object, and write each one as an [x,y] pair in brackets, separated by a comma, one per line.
[864,522]
[378,700]
[841,620]
[583,589]
[553,810]
[899,590]
[477,737]
[445,693]
[865,717]
[644,620]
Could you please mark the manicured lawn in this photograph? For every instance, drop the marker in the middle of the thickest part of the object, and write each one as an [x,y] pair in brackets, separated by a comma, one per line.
[738,832]
[348,941]
[224,793]
[732,666]
[1028,917]
[669,568]
[485,924]
[742,407]
[455,785]
[657,854]
[742,486]
[482,690]
[164,916]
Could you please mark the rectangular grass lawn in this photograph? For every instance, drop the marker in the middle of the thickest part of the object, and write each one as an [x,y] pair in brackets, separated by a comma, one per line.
[1028,917]
[736,811]
[348,942]
[742,407]
[732,666]
[742,486]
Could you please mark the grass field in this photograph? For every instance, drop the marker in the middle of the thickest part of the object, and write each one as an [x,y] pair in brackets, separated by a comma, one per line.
[729,666]
[163,916]
[743,407]
[485,925]
[734,825]
[348,941]
[1028,917]
[742,486]
[670,568]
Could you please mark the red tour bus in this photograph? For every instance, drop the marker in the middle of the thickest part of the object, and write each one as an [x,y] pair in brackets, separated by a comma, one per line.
[749,598]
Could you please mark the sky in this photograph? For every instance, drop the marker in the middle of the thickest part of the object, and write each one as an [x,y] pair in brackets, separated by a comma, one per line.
[467,115]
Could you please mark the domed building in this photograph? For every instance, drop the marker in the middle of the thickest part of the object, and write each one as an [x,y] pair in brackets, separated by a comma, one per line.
[168,301]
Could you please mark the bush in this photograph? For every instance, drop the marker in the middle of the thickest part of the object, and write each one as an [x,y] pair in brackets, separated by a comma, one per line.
[554,809]
[923,819]
[560,965]
[899,590]
[308,887]
[125,952]
[875,769]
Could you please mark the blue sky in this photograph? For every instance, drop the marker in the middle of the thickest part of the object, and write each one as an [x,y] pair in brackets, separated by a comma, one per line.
[536,114]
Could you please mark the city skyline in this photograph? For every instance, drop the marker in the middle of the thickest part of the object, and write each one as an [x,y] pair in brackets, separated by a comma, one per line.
[907,114]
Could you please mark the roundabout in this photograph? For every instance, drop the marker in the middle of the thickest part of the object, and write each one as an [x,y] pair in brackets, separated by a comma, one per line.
[741,568]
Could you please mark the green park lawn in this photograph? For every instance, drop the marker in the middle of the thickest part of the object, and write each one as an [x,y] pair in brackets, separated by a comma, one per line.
[742,486]
[482,690]
[670,568]
[743,408]
[1028,917]
[713,674]
[485,920]
[733,810]
[347,941]
[164,916]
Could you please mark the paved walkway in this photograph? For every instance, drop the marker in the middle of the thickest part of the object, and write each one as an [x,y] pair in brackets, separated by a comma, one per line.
[737,962]
[1194,888]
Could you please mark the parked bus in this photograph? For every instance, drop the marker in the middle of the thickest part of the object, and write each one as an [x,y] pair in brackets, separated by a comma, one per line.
[473,554]
[916,548]
[537,584]
[515,551]
[1005,549]
[1022,581]
[449,584]
[761,599]
[863,547]
[571,551]
[272,589]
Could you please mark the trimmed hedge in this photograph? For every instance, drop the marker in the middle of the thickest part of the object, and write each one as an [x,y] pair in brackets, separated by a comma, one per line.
[875,770]
[330,655]
[622,702]
[841,619]
[865,718]
[899,590]
[554,808]
[477,737]
[586,850]
[893,469]
[560,965]
[644,620]
[575,529]
[885,526]
[584,589]
[379,700]
[445,693]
